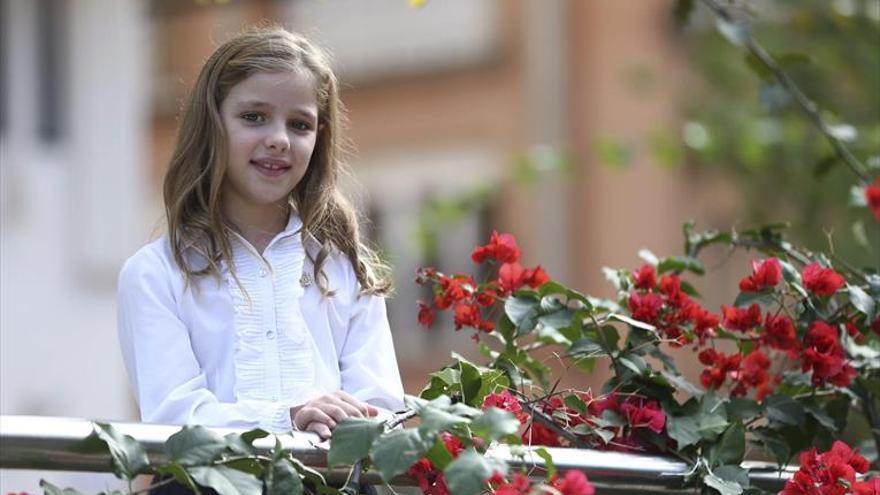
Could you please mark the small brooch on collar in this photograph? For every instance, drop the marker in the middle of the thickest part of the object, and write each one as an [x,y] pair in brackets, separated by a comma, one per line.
[306,280]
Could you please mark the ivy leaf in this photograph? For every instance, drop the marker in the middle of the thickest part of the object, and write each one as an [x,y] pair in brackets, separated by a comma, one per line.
[395,452]
[680,264]
[435,420]
[352,439]
[549,466]
[50,489]
[862,301]
[128,456]
[195,445]
[682,429]
[179,473]
[731,448]
[724,487]
[743,409]
[244,444]
[438,454]
[227,481]
[467,474]
[633,322]
[494,424]
[284,479]
[784,410]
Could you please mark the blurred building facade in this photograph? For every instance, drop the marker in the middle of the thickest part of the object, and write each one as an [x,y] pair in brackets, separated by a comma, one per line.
[444,101]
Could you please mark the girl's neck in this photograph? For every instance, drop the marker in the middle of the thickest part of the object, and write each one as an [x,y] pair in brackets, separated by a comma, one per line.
[258,225]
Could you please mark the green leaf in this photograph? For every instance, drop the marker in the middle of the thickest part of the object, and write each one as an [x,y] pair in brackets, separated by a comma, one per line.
[774,444]
[682,429]
[435,420]
[283,479]
[395,452]
[449,376]
[227,481]
[682,384]
[549,466]
[575,403]
[862,301]
[438,454]
[635,363]
[467,474]
[471,382]
[724,487]
[520,308]
[743,409]
[495,424]
[763,299]
[784,410]
[712,417]
[352,439]
[586,347]
[50,489]
[195,445]
[244,444]
[730,448]
[821,416]
[179,473]
[680,264]
[128,456]
[633,322]
[733,472]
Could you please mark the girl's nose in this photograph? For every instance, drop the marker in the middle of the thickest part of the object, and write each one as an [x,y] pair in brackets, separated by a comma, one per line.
[277,140]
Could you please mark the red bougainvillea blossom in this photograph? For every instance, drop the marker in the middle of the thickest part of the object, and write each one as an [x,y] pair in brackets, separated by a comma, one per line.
[765,274]
[506,401]
[825,356]
[512,276]
[720,366]
[429,478]
[872,198]
[741,319]
[573,483]
[822,473]
[665,305]
[501,247]
[821,281]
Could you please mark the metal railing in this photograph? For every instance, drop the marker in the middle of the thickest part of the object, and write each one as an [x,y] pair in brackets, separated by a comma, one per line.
[50,443]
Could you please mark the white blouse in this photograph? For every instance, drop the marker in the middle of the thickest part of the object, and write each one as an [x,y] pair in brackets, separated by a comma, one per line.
[214,354]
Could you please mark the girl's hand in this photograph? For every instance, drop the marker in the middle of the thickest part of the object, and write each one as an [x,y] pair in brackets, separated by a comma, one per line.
[321,415]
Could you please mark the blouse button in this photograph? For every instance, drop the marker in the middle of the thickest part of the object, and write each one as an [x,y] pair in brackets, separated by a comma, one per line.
[270,334]
[263,272]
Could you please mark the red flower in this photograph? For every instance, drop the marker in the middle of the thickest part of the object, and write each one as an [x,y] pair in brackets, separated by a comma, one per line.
[512,276]
[574,483]
[704,322]
[721,366]
[868,487]
[764,274]
[538,434]
[753,374]
[645,307]
[872,197]
[821,281]
[645,278]
[875,325]
[779,333]
[643,414]
[741,319]
[519,485]
[670,286]
[426,314]
[829,472]
[501,247]
[825,357]
[507,402]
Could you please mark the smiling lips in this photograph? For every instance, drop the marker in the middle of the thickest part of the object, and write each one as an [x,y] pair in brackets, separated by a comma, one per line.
[270,167]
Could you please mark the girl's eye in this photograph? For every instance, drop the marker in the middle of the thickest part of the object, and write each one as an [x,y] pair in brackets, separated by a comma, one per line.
[300,125]
[253,117]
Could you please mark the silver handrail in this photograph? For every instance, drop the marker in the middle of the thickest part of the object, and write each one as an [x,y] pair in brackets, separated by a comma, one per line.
[50,443]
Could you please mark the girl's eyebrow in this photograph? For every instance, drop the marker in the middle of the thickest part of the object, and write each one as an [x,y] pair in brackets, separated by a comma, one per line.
[262,104]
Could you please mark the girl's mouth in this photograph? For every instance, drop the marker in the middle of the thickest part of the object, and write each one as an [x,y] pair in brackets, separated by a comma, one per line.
[271,168]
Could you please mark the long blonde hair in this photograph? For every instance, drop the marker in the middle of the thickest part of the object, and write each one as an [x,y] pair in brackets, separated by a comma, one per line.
[192,188]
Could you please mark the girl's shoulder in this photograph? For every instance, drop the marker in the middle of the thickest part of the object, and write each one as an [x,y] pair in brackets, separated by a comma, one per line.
[152,260]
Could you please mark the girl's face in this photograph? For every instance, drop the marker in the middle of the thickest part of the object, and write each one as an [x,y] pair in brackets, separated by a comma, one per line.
[271,122]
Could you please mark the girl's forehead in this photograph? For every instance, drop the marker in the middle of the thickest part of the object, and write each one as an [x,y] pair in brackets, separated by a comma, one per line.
[275,88]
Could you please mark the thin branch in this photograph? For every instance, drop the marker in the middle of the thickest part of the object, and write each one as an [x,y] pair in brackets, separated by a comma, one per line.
[807,105]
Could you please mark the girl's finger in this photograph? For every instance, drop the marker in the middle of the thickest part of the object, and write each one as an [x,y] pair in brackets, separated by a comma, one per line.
[365,409]
[311,414]
[320,428]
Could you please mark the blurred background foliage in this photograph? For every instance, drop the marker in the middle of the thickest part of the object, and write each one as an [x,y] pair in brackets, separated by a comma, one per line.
[741,122]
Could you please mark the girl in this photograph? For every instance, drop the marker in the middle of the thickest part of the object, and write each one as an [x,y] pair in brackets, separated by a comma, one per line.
[260,307]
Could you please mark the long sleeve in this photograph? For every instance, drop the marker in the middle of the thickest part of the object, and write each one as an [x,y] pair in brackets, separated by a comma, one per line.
[170,385]
[367,362]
